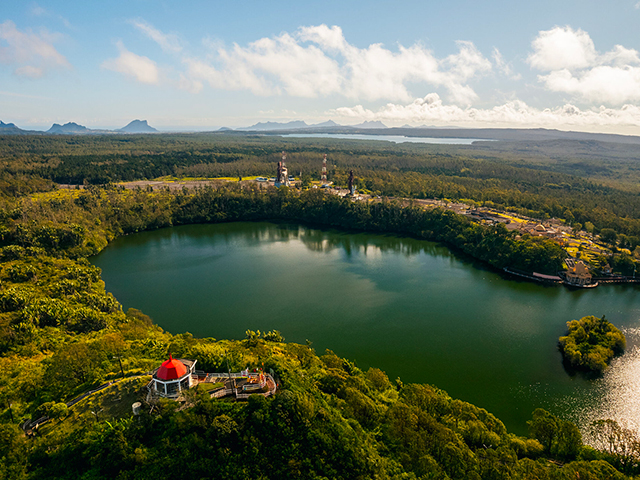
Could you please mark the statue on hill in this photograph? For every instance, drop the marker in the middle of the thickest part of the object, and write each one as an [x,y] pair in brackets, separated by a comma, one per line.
[352,189]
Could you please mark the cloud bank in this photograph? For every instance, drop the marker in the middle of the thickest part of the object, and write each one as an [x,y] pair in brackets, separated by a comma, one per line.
[431,110]
[318,61]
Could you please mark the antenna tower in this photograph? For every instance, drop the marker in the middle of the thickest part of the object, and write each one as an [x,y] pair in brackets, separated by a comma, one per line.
[324,169]
[282,176]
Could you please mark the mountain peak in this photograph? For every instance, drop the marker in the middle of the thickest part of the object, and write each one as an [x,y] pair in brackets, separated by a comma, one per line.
[328,123]
[68,128]
[371,124]
[277,125]
[137,126]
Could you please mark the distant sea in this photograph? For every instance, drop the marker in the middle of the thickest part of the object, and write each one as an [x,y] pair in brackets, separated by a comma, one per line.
[391,138]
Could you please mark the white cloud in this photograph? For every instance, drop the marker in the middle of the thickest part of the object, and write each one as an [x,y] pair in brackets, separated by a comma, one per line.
[601,84]
[575,67]
[317,61]
[30,54]
[331,38]
[38,11]
[503,66]
[562,48]
[270,66]
[168,42]
[143,69]
[432,110]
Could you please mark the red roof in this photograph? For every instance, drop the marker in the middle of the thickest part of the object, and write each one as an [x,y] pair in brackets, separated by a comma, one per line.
[171,369]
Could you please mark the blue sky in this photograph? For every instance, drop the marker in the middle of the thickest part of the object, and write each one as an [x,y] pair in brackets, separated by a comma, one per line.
[572,65]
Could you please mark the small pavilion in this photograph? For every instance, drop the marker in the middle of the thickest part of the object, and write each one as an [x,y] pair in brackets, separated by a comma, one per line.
[173,376]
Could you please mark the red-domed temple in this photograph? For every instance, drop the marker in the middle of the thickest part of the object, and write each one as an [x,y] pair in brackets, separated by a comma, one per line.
[173,376]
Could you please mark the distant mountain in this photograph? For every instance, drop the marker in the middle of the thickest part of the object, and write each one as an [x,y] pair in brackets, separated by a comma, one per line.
[225,129]
[376,124]
[10,129]
[68,129]
[328,123]
[137,126]
[276,125]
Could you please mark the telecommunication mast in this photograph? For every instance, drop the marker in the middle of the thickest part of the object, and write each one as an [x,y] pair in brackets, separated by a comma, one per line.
[323,179]
[282,175]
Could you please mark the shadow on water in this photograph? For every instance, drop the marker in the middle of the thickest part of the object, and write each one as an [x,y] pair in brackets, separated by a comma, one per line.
[581,373]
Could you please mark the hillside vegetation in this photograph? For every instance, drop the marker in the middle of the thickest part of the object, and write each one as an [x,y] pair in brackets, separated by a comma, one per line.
[62,334]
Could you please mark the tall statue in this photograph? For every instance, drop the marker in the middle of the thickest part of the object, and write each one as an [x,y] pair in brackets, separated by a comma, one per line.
[351,188]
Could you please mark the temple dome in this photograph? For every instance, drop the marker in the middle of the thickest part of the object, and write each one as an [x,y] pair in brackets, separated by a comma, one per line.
[171,369]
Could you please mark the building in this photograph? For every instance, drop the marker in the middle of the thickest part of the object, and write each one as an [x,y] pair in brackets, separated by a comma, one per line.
[578,275]
[172,377]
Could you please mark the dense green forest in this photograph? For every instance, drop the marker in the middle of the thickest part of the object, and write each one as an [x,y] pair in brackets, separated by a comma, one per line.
[542,180]
[62,334]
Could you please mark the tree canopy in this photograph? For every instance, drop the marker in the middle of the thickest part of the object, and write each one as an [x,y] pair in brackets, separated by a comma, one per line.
[591,343]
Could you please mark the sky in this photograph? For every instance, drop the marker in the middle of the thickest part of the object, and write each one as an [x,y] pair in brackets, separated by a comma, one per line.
[566,64]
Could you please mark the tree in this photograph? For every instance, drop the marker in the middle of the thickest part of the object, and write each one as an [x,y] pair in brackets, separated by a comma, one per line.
[608,235]
[543,427]
[58,410]
[568,441]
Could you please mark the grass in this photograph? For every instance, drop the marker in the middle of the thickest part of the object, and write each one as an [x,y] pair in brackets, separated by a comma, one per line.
[58,194]
[206,387]
[110,404]
[511,217]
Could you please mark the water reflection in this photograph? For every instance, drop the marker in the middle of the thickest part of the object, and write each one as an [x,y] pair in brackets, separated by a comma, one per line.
[616,396]
[412,308]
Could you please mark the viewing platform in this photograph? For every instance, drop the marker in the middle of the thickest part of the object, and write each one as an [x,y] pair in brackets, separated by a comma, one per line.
[240,385]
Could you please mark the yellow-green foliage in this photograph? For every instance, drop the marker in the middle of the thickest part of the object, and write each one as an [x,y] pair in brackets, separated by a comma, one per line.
[591,343]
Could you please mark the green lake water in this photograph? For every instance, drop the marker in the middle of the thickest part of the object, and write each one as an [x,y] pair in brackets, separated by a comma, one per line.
[412,308]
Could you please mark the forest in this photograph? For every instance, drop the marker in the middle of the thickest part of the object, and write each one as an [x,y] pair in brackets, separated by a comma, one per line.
[559,178]
[62,334]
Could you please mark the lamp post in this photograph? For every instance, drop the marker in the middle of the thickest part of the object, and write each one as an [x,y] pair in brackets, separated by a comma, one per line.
[120,362]
[229,370]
